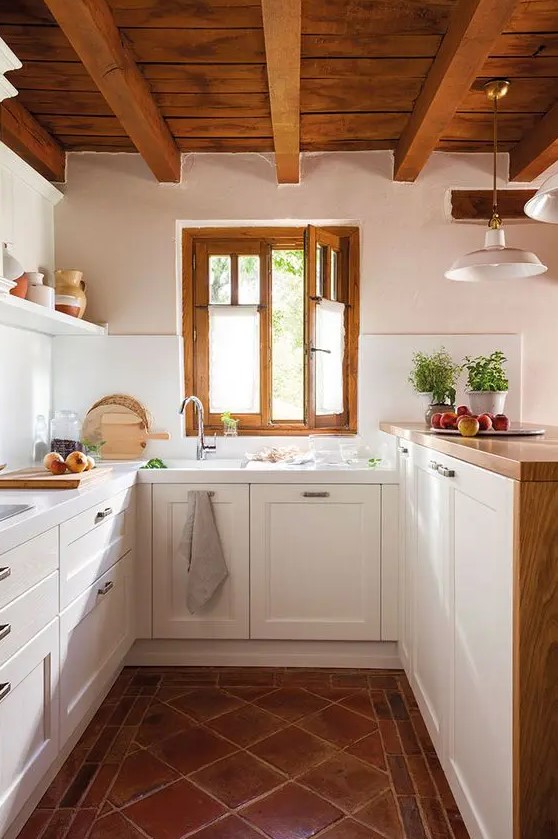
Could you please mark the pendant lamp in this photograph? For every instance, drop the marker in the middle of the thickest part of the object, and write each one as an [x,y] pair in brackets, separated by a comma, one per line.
[543,206]
[495,261]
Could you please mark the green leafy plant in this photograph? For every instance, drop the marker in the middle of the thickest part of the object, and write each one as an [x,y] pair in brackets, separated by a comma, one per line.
[228,420]
[486,372]
[436,373]
[154,463]
[94,449]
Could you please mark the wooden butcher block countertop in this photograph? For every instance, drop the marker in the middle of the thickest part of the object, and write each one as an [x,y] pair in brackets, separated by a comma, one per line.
[520,458]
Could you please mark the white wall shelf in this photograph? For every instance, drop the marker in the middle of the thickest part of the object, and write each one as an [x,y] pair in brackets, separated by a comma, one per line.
[26,315]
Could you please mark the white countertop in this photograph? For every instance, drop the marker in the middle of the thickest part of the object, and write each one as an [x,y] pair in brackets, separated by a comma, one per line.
[51,507]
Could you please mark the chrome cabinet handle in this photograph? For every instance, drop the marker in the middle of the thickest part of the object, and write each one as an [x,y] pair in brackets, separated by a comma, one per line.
[106,588]
[4,573]
[447,473]
[5,688]
[103,514]
[315,494]
[5,629]
[434,466]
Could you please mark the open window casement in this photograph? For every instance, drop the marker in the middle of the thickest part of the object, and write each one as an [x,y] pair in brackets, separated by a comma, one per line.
[327,358]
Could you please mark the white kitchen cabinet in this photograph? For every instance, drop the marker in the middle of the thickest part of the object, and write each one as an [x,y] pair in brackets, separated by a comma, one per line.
[96,632]
[28,720]
[227,614]
[405,551]
[315,562]
[457,590]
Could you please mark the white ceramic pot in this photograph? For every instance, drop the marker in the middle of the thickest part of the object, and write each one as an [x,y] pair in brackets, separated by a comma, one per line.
[38,293]
[487,401]
[426,398]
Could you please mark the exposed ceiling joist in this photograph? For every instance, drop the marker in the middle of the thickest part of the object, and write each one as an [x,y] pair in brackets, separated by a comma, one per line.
[91,30]
[473,28]
[537,150]
[478,204]
[282,22]
[21,132]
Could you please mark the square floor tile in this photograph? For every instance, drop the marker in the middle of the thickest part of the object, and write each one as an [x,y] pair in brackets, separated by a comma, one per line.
[246,725]
[382,815]
[205,703]
[192,749]
[159,722]
[248,676]
[230,828]
[370,749]
[349,829]
[338,725]
[292,703]
[140,774]
[345,781]
[174,811]
[114,826]
[237,779]
[291,812]
[359,701]
[293,750]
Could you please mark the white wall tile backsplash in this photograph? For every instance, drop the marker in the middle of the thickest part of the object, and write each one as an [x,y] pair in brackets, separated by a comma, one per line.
[150,368]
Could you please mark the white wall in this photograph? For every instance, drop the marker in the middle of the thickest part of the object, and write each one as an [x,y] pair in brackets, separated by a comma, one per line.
[120,228]
[27,223]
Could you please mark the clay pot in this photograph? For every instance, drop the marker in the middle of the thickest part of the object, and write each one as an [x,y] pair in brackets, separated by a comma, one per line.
[21,288]
[70,283]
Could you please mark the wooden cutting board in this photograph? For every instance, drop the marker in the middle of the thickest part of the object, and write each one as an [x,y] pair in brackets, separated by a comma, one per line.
[38,478]
[124,433]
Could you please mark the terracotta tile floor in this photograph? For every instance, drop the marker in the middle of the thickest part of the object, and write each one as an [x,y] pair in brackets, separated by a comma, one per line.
[243,753]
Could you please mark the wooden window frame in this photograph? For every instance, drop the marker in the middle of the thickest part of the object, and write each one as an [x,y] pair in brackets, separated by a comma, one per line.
[195,298]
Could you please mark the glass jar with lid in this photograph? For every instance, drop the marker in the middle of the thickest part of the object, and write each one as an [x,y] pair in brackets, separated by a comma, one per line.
[65,433]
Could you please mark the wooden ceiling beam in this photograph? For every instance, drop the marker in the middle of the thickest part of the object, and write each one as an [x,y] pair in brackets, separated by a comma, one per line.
[537,150]
[90,28]
[473,28]
[21,132]
[282,24]
[477,204]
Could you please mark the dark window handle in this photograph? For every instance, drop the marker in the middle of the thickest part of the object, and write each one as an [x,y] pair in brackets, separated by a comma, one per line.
[319,349]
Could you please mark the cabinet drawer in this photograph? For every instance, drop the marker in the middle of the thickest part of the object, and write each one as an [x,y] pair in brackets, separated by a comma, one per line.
[24,566]
[21,619]
[94,518]
[96,631]
[88,556]
[28,720]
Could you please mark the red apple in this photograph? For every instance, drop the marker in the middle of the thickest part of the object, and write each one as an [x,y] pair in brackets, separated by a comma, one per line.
[448,420]
[435,420]
[488,414]
[463,411]
[468,426]
[501,422]
[485,422]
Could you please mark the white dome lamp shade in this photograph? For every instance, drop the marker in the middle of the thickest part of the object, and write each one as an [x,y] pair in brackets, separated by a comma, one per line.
[11,268]
[495,261]
[543,206]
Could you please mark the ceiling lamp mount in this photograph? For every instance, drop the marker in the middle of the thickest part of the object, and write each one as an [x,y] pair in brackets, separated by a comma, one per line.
[495,261]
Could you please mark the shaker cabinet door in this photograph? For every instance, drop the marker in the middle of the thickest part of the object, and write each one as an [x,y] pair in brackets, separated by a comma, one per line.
[315,562]
[227,613]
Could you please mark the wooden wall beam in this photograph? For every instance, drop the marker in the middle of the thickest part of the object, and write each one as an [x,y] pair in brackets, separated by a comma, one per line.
[282,22]
[92,32]
[473,28]
[537,150]
[21,132]
[476,204]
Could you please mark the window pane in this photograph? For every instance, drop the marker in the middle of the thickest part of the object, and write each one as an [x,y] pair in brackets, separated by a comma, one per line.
[287,335]
[234,359]
[333,274]
[330,342]
[319,272]
[219,279]
[248,279]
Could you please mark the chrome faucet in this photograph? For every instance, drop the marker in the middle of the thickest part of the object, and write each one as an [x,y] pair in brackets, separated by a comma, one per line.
[202,446]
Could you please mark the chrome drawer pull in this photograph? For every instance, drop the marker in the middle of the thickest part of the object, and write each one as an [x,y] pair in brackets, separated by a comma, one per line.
[106,588]
[5,629]
[315,494]
[4,690]
[404,450]
[434,466]
[4,573]
[447,473]
[102,514]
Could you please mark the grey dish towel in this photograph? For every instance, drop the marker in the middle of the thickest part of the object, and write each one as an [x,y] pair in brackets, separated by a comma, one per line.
[201,547]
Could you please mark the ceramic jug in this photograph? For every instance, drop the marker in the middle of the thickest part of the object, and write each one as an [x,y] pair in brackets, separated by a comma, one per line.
[70,282]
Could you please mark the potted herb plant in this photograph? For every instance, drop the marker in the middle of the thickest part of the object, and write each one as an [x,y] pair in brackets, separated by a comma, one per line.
[434,377]
[230,424]
[487,383]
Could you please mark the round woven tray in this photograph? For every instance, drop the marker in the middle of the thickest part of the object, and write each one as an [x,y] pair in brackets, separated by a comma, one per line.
[126,402]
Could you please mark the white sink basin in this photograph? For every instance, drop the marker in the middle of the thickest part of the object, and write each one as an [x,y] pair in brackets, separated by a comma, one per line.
[205,465]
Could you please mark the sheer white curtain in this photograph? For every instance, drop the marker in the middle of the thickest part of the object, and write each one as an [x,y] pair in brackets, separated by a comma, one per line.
[330,335]
[234,359]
